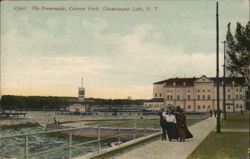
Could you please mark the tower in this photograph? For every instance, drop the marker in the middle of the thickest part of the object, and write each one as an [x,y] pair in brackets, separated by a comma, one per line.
[81,93]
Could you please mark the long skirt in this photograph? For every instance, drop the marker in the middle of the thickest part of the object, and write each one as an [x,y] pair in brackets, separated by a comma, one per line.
[172,131]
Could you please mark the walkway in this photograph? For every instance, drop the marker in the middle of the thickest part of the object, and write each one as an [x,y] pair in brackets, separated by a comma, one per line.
[172,150]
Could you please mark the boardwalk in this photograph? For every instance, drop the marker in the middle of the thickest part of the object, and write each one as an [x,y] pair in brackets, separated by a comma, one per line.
[172,150]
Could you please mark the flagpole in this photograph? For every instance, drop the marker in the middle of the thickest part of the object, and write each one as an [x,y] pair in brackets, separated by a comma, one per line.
[224,83]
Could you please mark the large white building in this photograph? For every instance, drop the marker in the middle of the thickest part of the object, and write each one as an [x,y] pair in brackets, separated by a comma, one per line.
[198,94]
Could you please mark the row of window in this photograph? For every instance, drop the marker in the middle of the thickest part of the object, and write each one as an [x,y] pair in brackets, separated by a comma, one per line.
[236,90]
[237,106]
[199,107]
[199,97]
[189,97]
[236,97]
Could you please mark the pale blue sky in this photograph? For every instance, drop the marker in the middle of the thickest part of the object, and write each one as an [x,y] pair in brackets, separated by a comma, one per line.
[119,54]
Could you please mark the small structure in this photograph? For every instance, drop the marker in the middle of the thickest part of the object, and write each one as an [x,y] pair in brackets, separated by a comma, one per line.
[76,108]
[154,104]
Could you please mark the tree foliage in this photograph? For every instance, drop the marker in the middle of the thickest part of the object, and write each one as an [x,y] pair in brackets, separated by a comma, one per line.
[238,51]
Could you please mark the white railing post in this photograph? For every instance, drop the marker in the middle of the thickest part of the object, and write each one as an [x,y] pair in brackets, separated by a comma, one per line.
[99,137]
[26,150]
[1,146]
[70,143]
[119,131]
[134,128]
[145,131]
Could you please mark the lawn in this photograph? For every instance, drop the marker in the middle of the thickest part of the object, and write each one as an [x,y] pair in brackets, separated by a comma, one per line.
[142,123]
[227,145]
[236,121]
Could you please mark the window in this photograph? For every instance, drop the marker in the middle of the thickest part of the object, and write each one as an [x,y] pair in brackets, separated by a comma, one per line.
[198,96]
[189,106]
[155,94]
[240,106]
[208,90]
[236,90]
[240,90]
[208,106]
[199,107]
[188,90]
[241,97]
[160,94]
[168,91]
[237,96]
[228,96]
[228,90]
[188,96]
[204,107]
[203,97]
[208,97]
[198,90]
[228,107]
[168,97]
[237,105]
[203,90]
[178,97]
[171,97]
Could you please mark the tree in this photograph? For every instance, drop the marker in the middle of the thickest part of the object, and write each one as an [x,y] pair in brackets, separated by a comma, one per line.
[238,51]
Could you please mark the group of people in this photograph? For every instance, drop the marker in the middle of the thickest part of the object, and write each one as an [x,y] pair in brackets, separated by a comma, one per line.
[173,123]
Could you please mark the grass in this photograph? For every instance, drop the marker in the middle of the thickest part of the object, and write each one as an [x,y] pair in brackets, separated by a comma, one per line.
[19,126]
[227,145]
[143,123]
[236,121]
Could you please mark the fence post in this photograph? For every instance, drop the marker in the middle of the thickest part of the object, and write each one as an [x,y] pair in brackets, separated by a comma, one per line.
[1,146]
[26,150]
[69,145]
[134,128]
[99,137]
[119,131]
[145,131]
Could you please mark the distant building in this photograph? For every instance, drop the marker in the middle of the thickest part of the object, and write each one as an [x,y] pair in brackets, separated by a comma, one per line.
[154,104]
[77,108]
[198,94]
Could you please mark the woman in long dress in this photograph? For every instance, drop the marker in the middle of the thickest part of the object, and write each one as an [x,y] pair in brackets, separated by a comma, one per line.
[184,133]
[163,124]
[171,125]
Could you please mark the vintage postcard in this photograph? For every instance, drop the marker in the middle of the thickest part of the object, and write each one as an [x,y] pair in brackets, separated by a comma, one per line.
[125,79]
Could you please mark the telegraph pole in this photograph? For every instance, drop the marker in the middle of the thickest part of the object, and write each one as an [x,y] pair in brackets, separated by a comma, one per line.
[224,83]
[218,126]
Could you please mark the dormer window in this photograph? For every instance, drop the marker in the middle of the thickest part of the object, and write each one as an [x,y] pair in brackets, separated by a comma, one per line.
[233,82]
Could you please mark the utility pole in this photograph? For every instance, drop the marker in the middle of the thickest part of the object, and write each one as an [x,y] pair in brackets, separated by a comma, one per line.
[224,83]
[218,126]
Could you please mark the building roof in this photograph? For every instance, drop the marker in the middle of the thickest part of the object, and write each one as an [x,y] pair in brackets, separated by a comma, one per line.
[156,100]
[191,81]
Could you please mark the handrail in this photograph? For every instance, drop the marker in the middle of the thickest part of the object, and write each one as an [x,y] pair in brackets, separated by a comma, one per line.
[70,145]
[58,130]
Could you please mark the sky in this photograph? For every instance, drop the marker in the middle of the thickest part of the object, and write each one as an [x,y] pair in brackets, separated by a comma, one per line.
[117,53]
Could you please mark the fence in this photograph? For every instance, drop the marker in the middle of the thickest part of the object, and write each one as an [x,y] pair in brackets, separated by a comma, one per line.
[71,146]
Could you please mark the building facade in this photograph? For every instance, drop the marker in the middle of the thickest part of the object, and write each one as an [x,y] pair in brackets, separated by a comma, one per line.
[199,94]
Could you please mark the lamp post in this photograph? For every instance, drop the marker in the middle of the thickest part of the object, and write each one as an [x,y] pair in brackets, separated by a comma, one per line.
[218,126]
[224,83]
